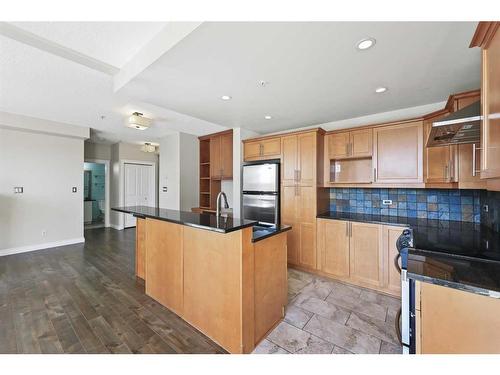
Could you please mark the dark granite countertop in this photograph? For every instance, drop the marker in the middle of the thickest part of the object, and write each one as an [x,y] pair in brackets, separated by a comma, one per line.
[261,232]
[451,253]
[192,219]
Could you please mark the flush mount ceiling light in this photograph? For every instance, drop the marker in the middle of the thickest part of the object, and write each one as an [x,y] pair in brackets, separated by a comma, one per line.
[225,97]
[365,44]
[380,90]
[136,121]
[267,117]
[148,147]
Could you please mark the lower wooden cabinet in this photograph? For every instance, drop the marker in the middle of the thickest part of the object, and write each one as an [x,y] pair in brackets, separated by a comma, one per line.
[359,253]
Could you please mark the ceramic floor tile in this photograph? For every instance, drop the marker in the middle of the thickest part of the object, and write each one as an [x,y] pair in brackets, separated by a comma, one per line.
[267,347]
[387,348]
[339,350]
[296,340]
[299,275]
[391,315]
[352,303]
[341,335]
[318,288]
[295,285]
[296,316]
[381,299]
[374,327]
[322,308]
[340,289]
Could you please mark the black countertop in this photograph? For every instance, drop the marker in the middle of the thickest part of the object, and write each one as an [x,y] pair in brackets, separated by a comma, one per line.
[191,219]
[451,253]
[206,221]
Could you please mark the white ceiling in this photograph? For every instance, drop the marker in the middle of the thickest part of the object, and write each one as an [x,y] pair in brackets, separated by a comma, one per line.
[315,74]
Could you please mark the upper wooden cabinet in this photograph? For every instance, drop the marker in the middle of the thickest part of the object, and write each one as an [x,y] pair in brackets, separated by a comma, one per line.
[398,153]
[262,149]
[487,37]
[353,144]
[221,156]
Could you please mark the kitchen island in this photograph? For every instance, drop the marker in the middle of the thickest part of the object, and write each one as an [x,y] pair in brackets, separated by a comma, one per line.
[220,274]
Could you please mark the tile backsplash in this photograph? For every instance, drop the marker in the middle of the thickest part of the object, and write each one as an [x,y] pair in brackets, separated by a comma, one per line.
[440,204]
[491,218]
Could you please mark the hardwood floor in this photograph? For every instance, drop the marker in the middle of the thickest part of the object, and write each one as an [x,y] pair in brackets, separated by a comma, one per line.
[85,299]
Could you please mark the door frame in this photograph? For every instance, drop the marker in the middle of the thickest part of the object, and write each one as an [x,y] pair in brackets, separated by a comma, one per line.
[122,184]
[107,203]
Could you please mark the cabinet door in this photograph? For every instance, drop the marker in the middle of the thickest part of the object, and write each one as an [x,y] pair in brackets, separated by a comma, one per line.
[361,143]
[306,223]
[215,159]
[271,147]
[226,152]
[333,247]
[366,257]
[490,128]
[306,158]
[469,173]
[438,164]
[164,263]
[288,216]
[398,156]
[289,161]
[251,151]
[338,145]
[393,276]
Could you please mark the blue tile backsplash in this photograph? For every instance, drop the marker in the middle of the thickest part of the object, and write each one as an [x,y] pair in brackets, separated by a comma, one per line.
[440,204]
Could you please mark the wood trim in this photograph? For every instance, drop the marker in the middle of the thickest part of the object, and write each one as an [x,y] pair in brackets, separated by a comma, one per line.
[285,134]
[377,125]
[461,95]
[484,33]
[208,136]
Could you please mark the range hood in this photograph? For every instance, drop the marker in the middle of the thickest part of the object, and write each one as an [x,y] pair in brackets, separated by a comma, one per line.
[460,127]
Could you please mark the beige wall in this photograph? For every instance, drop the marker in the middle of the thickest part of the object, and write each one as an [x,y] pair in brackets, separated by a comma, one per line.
[48,213]
[97,151]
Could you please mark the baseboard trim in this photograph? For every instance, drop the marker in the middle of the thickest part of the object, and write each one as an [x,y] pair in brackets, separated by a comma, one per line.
[41,246]
[117,227]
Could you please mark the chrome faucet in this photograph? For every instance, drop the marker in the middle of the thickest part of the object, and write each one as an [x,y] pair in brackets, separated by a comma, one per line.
[226,205]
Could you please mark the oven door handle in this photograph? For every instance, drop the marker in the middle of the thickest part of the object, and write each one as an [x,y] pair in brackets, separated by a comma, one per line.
[396,262]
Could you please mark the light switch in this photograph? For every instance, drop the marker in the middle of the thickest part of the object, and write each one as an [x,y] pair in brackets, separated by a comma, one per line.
[18,189]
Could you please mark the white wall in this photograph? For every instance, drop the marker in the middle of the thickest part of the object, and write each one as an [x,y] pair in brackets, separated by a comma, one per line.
[239,134]
[179,172]
[97,151]
[48,213]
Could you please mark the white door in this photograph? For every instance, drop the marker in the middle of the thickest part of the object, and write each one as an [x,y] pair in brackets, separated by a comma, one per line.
[139,188]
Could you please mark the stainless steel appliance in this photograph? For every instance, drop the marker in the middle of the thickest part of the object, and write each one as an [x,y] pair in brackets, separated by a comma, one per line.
[406,315]
[461,126]
[261,192]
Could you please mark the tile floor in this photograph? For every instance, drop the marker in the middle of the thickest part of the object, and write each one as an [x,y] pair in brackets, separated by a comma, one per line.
[325,316]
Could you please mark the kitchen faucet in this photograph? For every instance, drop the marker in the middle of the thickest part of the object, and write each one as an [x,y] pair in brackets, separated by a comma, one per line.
[226,205]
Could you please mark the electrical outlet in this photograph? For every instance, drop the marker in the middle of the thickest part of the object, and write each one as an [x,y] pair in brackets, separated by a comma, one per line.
[18,189]
[44,233]
[387,202]
[74,189]
[486,208]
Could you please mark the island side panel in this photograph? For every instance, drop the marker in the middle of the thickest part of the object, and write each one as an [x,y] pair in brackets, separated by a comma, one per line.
[212,285]
[270,283]
[140,247]
[247,291]
[164,263]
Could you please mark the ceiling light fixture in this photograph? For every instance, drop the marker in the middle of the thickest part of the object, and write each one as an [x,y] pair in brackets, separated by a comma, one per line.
[225,97]
[267,117]
[365,44]
[380,90]
[136,121]
[148,147]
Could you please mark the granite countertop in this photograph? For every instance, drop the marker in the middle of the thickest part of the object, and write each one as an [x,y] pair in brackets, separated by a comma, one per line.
[262,232]
[451,253]
[192,219]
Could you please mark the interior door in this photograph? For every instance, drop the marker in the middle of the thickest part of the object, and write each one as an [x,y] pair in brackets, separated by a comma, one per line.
[138,188]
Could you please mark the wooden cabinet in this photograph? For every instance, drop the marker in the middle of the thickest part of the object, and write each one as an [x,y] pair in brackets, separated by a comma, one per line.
[353,144]
[366,254]
[140,248]
[221,156]
[451,321]
[268,148]
[398,153]
[333,247]
[487,37]
[359,253]
[298,200]
[469,167]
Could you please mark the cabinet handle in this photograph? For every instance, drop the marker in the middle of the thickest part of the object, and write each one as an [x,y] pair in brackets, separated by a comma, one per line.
[298,175]
[474,150]
[350,229]
[347,229]
[347,149]
[374,174]
[350,149]
[445,172]
[261,149]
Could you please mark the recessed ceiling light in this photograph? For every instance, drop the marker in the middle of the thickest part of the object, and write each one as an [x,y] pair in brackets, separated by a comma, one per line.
[365,44]
[225,97]
[380,90]
[267,117]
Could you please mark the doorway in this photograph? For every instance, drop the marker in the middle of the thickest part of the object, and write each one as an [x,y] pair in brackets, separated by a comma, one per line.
[139,188]
[95,194]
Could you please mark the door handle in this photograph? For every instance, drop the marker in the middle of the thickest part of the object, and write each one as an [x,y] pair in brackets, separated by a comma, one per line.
[347,229]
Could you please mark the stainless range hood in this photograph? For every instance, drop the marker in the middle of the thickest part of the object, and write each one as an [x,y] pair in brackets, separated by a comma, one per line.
[460,127]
